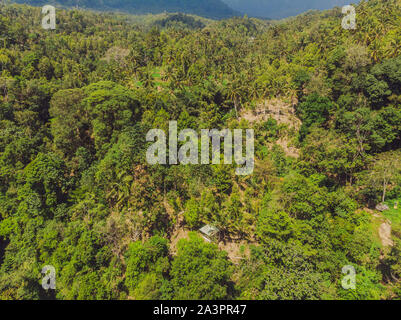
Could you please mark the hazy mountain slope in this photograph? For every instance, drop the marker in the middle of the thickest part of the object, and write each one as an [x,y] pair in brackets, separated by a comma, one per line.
[206,8]
[282,8]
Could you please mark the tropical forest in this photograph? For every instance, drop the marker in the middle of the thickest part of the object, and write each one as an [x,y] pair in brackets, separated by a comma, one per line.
[78,194]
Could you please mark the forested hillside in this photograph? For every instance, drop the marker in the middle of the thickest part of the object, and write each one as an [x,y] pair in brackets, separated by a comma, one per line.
[215,9]
[77,193]
[278,9]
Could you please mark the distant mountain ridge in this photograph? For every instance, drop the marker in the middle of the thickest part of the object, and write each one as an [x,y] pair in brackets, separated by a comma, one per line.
[278,9]
[215,9]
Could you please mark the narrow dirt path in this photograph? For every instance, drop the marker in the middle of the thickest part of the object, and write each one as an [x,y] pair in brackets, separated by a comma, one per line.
[384,228]
[385,234]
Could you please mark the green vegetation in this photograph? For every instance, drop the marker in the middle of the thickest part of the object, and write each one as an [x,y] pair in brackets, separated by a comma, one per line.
[77,193]
[394,214]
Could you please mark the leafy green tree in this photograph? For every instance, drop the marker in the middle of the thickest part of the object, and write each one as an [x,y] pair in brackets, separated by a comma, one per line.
[303,197]
[146,264]
[69,123]
[315,110]
[44,186]
[200,271]
[281,272]
[192,213]
[386,169]
[111,108]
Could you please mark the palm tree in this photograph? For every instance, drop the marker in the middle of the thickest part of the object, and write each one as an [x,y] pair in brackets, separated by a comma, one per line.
[235,91]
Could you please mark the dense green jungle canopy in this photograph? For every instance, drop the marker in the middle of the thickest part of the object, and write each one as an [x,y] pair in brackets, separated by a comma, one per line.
[77,193]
